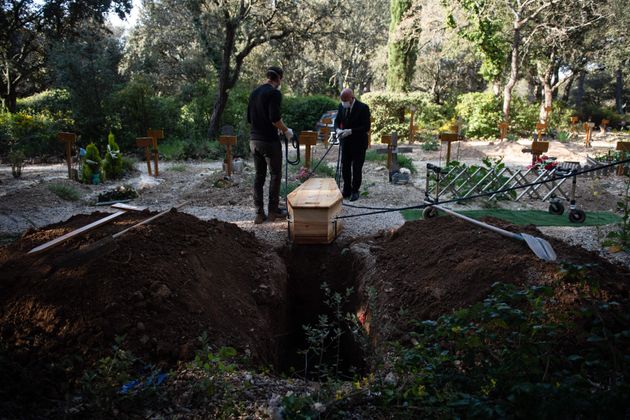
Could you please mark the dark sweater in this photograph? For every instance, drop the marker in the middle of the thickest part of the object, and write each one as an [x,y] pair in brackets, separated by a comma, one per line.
[263,110]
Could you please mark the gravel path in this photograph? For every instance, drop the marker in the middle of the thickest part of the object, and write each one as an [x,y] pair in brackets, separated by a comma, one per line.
[28,202]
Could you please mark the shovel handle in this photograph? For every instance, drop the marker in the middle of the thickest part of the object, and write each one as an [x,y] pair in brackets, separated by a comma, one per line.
[480,224]
[150,219]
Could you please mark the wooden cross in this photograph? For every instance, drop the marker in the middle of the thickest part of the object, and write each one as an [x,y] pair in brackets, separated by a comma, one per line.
[309,139]
[228,142]
[324,131]
[155,135]
[503,129]
[588,128]
[449,138]
[387,139]
[68,139]
[623,147]
[540,129]
[146,142]
[536,149]
[574,121]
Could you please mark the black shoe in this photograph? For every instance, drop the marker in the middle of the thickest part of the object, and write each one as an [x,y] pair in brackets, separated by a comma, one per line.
[279,214]
[260,217]
[346,194]
[354,196]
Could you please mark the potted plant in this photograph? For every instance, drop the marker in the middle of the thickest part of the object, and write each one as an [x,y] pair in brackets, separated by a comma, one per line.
[91,173]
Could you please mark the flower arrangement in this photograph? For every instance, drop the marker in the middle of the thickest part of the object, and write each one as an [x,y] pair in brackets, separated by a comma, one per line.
[303,174]
[544,162]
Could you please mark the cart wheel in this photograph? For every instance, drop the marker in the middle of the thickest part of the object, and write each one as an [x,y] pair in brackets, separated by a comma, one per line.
[577,216]
[429,212]
[556,208]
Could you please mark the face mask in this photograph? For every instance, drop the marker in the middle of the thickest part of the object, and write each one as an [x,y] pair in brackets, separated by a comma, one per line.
[345,104]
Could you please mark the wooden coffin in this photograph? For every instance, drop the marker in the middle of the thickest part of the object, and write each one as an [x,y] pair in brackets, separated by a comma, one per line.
[313,207]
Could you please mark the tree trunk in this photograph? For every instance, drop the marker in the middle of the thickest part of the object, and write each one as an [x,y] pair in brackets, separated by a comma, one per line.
[546,81]
[619,90]
[225,80]
[567,89]
[579,94]
[507,91]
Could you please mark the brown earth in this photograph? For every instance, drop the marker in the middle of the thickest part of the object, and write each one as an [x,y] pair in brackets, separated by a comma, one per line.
[429,268]
[164,285]
[168,282]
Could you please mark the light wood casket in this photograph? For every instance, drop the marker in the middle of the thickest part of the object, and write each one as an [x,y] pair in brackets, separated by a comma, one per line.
[313,207]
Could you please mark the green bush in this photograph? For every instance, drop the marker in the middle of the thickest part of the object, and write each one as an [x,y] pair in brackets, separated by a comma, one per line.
[54,101]
[35,135]
[113,165]
[391,111]
[137,108]
[523,116]
[596,113]
[303,112]
[173,149]
[481,114]
[92,163]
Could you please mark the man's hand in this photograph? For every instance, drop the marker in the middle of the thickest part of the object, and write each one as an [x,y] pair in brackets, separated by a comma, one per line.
[289,134]
[345,133]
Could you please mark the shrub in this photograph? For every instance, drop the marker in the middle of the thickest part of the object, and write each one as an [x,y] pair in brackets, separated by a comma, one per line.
[481,113]
[92,164]
[34,134]
[302,112]
[113,165]
[64,192]
[390,112]
[54,101]
[596,113]
[523,116]
[137,108]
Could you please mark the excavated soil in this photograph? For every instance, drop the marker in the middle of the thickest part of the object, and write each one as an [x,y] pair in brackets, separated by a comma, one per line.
[160,287]
[429,268]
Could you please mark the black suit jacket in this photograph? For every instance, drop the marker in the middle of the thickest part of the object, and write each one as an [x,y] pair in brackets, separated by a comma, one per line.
[358,121]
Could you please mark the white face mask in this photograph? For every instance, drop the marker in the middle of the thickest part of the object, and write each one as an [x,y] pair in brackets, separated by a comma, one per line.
[345,104]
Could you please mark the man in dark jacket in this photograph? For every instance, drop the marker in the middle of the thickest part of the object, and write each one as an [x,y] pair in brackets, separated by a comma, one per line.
[263,113]
[352,124]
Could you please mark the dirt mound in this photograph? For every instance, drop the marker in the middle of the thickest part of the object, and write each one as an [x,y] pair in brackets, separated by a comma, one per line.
[164,285]
[431,267]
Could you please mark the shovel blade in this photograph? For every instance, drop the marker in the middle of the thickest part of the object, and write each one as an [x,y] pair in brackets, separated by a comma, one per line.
[540,246]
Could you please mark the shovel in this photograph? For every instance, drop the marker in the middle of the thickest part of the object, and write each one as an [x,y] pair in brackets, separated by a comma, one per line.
[108,244]
[539,246]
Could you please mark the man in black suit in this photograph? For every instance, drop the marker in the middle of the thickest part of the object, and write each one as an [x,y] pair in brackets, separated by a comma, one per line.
[352,124]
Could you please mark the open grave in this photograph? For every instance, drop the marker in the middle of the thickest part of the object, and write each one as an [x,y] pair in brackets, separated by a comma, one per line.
[164,285]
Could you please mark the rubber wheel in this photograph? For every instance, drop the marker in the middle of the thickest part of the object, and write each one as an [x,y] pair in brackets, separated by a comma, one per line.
[556,208]
[429,212]
[577,216]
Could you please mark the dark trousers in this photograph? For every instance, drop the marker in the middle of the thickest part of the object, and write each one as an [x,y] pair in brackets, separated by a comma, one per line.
[352,159]
[267,154]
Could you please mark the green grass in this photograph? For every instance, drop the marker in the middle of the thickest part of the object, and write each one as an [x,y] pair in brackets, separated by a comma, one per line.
[372,156]
[173,150]
[178,167]
[64,192]
[530,217]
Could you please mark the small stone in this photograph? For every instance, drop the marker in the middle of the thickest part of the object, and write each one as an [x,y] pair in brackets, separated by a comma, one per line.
[140,326]
[144,339]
